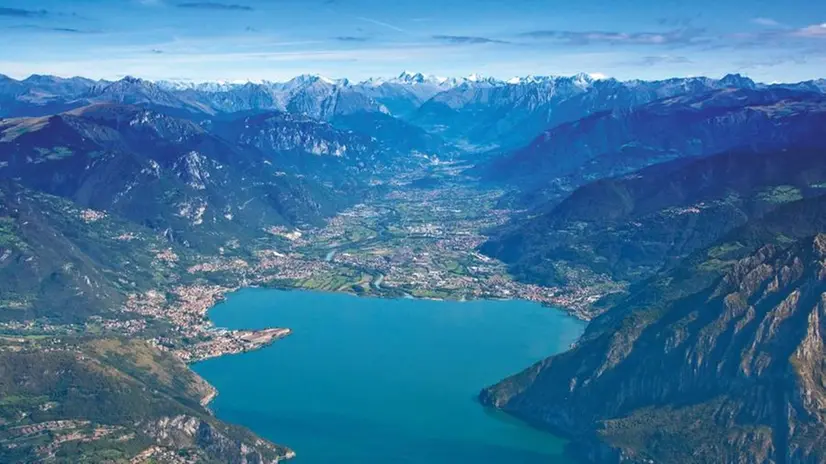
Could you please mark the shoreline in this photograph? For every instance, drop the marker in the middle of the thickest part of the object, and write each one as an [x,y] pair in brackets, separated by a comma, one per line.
[253,340]
[577,311]
[283,332]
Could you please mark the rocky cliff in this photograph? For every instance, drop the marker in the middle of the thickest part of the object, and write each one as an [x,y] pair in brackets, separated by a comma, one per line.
[726,367]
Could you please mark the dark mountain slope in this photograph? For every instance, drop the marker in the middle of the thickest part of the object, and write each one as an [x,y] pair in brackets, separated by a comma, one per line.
[41,95]
[44,95]
[395,134]
[135,91]
[299,145]
[63,263]
[629,227]
[165,173]
[720,359]
[616,142]
[306,95]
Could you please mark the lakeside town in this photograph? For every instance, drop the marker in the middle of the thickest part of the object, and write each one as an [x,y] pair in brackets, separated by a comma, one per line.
[419,243]
[411,243]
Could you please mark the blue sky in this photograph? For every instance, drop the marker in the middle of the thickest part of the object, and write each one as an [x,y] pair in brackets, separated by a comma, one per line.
[769,40]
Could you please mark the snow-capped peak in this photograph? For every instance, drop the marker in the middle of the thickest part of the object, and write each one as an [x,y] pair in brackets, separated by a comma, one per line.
[478,79]
[408,77]
[309,79]
[212,86]
[583,80]
[412,79]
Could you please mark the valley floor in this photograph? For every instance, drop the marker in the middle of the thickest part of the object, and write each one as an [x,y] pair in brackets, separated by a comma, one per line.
[407,242]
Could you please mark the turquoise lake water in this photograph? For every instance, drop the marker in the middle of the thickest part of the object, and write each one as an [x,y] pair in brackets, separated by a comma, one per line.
[368,380]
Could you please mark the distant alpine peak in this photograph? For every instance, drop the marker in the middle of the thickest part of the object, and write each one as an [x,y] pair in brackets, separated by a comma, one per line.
[737,80]
[408,76]
[583,80]
[476,77]
[416,78]
[133,80]
[529,79]
[313,78]
[128,83]
[532,79]
[413,78]
[212,86]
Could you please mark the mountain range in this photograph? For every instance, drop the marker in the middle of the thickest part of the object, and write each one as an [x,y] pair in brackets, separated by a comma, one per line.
[475,112]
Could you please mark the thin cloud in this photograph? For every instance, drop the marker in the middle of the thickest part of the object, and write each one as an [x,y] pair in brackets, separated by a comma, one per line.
[817,31]
[21,13]
[794,39]
[215,6]
[767,22]
[464,39]
[66,30]
[772,61]
[380,23]
[675,37]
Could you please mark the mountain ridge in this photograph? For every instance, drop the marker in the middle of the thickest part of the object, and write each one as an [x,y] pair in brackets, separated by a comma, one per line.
[611,143]
[630,226]
[81,88]
[695,348]
[160,171]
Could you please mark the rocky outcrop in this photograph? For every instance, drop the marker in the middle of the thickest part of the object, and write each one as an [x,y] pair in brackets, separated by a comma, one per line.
[213,441]
[733,373]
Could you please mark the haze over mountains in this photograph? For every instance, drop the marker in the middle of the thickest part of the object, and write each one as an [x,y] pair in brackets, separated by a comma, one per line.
[700,201]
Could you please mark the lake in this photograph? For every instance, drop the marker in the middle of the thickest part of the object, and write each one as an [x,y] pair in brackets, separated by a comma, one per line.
[368,380]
